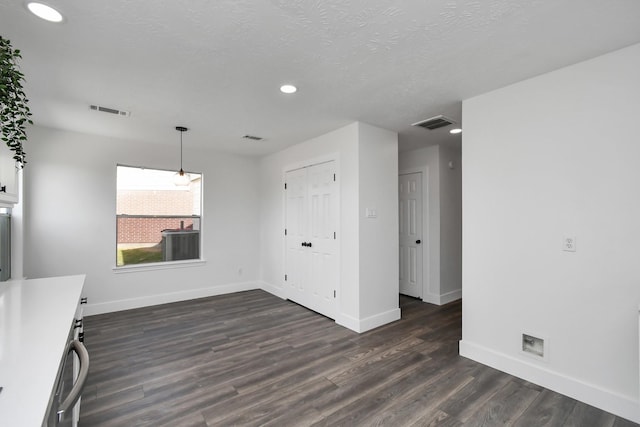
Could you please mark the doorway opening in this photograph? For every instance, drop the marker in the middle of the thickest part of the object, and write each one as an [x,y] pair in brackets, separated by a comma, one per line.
[411,233]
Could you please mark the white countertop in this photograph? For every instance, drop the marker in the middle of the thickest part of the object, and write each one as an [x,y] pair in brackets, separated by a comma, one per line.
[35,319]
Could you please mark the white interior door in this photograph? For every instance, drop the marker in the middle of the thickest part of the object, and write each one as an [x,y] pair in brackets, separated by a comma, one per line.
[311,262]
[296,228]
[410,215]
[323,277]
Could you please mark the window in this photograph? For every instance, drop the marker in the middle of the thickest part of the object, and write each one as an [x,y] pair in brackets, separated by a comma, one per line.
[156,220]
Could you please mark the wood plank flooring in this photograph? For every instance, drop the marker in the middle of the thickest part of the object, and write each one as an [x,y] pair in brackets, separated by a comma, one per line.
[252,359]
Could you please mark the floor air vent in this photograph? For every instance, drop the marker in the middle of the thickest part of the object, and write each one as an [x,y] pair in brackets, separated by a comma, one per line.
[110,110]
[434,122]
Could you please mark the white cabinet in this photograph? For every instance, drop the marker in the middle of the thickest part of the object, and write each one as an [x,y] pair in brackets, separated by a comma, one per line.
[8,177]
[35,315]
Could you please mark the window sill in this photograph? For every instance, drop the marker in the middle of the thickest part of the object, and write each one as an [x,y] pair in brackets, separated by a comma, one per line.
[158,266]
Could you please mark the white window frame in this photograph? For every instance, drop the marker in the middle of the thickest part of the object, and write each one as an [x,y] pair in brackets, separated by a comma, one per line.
[162,265]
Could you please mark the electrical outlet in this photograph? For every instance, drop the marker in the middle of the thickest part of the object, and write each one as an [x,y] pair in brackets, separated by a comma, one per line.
[569,244]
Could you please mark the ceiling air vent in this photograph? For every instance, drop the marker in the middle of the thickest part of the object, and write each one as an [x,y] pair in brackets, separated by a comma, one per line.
[434,122]
[110,110]
[253,138]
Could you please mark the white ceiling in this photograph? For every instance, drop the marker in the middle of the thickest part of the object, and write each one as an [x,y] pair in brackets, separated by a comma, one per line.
[216,66]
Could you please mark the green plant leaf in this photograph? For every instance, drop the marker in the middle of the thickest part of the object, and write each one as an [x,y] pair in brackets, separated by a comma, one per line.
[14,109]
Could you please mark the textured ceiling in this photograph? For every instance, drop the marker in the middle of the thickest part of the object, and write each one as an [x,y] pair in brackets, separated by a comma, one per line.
[216,66]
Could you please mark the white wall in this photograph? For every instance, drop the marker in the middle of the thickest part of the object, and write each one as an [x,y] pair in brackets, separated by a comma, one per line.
[450,224]
[17,233]
[360,149]
[70,195]
[442,255]
[379,245]
[554,156]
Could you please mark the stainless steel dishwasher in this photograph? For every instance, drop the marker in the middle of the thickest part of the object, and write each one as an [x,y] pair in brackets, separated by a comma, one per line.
[69,386]
[64,406]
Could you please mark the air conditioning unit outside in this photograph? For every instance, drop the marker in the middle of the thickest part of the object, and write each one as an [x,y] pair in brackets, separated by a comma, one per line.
[180,244]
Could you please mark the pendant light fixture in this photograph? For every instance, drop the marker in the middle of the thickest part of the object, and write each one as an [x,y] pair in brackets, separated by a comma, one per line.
[181,178]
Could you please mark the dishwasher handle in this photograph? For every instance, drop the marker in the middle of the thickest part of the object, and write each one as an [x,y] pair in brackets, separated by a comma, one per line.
[77,347]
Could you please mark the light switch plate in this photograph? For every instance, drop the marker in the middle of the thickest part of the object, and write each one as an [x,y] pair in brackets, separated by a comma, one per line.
[371,213]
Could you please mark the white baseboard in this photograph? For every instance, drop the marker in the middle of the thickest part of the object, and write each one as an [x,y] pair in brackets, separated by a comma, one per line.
[379,319]
[348,322]
[450,297]
[368,323]
[126,304]
[272,289]
[431,299]
[357,325]
[617,404]
[444,298]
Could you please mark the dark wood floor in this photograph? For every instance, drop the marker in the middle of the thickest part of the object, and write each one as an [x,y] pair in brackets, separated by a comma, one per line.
[253,359]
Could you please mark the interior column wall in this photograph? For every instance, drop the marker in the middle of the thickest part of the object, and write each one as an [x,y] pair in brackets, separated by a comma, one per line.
[367,174]
[379,245]
[343,145]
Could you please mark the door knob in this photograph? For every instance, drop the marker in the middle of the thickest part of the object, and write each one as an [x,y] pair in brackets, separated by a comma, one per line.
[418,242]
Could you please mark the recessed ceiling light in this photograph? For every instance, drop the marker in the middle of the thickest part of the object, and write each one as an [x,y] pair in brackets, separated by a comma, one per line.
[288,89]
[45,12]
[455,131]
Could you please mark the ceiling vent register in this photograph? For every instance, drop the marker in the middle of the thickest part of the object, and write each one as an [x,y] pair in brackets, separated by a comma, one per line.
[434,122]
[110,110]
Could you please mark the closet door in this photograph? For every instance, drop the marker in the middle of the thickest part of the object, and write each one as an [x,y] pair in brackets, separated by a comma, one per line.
[312,251]
[323,220]
[296,233]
